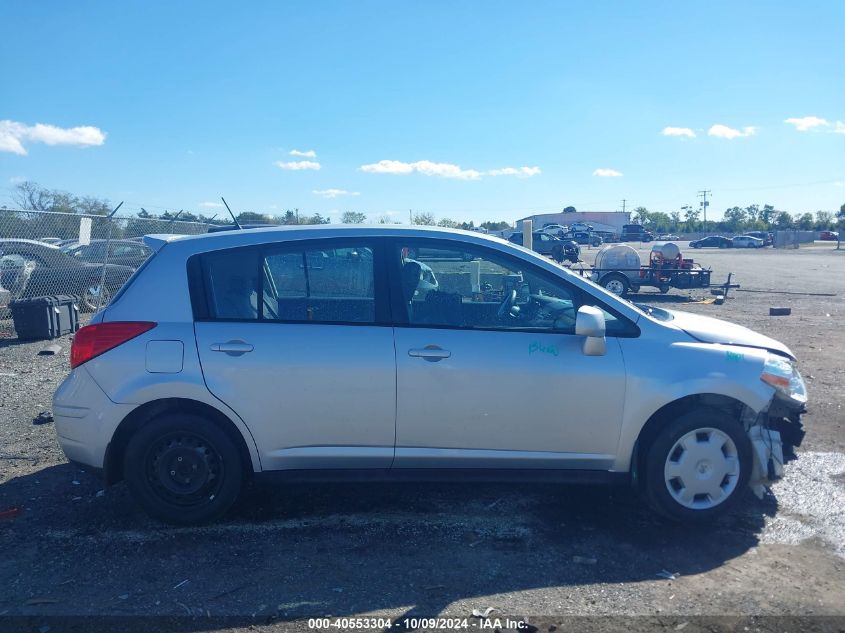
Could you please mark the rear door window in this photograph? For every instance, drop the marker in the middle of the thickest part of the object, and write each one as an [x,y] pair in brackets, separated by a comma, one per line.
[292,284]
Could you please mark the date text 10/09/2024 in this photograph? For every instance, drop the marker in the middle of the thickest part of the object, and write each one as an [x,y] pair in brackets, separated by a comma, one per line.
[416,623]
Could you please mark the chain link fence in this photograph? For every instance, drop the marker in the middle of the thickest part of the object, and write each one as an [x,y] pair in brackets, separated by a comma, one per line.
[87,256]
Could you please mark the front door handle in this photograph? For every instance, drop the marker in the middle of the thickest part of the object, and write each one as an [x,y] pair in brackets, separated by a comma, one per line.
[431,353]
[232,348]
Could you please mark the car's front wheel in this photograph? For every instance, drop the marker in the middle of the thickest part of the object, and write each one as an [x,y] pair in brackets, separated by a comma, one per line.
[183,469]
[698,465]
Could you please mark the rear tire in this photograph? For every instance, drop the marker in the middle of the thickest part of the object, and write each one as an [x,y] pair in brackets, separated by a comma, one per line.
[183,469]
[697,467]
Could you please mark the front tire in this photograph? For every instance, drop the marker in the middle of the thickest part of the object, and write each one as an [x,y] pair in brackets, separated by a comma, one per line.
[183,469]
[697,467]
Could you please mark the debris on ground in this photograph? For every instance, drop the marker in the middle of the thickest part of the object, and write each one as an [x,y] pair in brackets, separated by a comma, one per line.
[477,613]
[35,601]
[11,513]
[50,350]
[667,575]
[780,311]
[45,417]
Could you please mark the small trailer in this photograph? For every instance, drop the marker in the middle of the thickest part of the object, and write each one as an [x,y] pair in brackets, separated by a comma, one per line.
[618,269]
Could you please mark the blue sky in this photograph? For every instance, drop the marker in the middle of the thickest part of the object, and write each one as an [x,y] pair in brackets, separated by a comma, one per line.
[482,110]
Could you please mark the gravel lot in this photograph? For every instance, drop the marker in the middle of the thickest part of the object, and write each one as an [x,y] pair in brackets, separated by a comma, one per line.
[397,550]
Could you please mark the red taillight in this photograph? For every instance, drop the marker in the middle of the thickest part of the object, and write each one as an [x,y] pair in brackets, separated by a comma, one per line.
[93,340]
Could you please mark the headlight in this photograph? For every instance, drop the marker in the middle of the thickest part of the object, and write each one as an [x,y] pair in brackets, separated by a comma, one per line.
[783,375]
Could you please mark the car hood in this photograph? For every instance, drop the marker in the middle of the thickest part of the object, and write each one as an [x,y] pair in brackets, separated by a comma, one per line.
[710,330]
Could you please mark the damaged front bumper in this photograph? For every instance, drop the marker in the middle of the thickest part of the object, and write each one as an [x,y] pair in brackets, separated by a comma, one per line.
[775,433]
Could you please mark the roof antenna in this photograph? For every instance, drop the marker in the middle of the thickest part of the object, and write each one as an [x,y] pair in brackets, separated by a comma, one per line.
[234,219]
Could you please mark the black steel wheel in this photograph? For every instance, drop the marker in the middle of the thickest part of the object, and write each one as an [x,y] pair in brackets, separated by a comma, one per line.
[183,469]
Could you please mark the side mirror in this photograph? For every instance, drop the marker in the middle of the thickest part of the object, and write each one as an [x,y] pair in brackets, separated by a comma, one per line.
[589,322]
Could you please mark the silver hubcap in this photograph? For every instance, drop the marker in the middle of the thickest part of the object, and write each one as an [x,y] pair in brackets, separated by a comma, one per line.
[615,286]
[702,469]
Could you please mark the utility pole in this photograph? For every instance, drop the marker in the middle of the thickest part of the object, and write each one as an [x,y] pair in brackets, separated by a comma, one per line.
[623,204]
[410,216]
[704,204]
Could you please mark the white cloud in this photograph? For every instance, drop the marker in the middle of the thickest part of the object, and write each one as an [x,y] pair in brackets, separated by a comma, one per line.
[840,127]
[806,123]
[297,165]
[211,205]
[723,131]
[607,173]
[14,136]
[519,172]
[305,154]
[425,167]
[445,170]
[683,132]
[334,193]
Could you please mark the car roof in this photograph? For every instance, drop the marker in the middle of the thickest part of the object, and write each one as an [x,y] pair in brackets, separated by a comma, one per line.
[25,242]
[228,239]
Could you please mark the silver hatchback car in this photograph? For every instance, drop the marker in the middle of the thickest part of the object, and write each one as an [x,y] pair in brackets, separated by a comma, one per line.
[331,350]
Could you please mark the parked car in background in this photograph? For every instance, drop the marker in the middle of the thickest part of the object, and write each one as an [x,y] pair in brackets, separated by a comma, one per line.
[29,268]
[586,237]
[829,236]
[253,360]
[768,238]
[557,230]
[668,237]
[712,241]
[580,226]
[124,252]
[551,246]
[635,233]
[747,241]
[607,237]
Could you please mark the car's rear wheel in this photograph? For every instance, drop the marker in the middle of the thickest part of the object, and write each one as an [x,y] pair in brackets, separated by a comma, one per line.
[698,466]
[183,469]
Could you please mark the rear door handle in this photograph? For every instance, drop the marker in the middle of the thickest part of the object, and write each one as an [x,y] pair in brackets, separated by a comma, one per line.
[431,353]
[232,348]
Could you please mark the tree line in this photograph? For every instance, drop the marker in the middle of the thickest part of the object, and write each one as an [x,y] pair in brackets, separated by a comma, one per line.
[30,196]
[737,220]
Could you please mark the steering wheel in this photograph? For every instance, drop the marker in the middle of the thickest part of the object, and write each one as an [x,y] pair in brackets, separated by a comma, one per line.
[508,303]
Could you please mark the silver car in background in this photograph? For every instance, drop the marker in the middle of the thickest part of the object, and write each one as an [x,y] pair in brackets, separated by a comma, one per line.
[315,350]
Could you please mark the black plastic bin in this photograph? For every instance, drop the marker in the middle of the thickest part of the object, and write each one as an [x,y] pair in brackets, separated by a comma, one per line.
[45,317]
